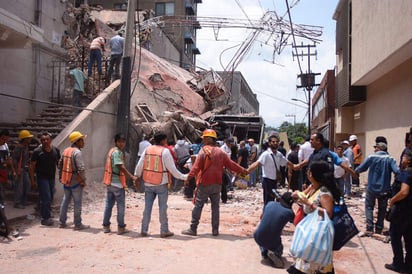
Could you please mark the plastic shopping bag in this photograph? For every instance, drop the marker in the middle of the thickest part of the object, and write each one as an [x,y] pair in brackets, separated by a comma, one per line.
[313,239]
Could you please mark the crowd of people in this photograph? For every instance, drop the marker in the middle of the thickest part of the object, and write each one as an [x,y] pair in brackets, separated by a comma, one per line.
[310,174]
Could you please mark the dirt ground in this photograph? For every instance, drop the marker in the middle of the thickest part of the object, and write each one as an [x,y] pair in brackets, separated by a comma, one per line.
[41,249]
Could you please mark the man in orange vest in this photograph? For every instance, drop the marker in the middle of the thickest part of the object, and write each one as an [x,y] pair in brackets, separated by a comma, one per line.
[153,168]
[115,180]
[72,176]
[21,166]
[208,168]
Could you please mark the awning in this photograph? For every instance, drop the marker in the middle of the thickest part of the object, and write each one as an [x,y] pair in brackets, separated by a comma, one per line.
[17,33]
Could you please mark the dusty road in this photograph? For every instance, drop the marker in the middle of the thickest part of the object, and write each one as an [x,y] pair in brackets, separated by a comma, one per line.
[53,250]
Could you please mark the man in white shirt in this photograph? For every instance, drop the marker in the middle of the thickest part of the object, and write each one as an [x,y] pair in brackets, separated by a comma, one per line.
[304,153]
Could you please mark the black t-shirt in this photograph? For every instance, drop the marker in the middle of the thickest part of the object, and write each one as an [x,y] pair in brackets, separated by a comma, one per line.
[322,154]
[406,178]
[244,153]
[46,162]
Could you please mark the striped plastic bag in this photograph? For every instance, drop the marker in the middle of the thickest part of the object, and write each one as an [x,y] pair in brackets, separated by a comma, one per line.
[313,239]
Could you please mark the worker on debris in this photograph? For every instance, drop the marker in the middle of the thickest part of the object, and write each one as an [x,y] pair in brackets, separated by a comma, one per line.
[21,166]
[115,179]
[44,162]
[72,176]
[78,78]
[208,168]
[116,47]
[96,52]
[153,167]
[268,234]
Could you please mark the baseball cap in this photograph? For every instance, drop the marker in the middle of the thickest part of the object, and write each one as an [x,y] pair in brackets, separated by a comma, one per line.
[346,142]
[381,146]
[353,138]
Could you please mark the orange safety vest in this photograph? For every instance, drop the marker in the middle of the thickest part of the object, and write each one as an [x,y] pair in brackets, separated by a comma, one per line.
[108,170]
[67,167]
[153,165]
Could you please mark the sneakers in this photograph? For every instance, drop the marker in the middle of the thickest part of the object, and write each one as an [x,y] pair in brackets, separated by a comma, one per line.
[106,229]
[215,232]
[189,232]
[166,234]
[121,230]
[81,227]
[393,268]
[62,225]
[367,233]
[47,222]
[276,260]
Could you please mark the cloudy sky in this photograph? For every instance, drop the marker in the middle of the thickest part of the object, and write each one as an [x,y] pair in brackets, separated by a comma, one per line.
[273,82]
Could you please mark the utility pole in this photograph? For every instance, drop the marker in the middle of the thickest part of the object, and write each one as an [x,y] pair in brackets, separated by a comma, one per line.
[123,108]
[307,80]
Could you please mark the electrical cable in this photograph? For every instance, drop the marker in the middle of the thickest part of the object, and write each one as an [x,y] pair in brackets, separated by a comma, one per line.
[293,35]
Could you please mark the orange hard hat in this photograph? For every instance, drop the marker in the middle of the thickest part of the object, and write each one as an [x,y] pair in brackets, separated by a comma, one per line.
[209,133]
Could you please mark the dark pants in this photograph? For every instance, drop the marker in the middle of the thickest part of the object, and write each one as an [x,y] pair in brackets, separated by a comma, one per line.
[397,231]
[225,183]
[203,194]
[355,182]
[46,189]
[188,190]
[114,63]
[268,185]
[95,56]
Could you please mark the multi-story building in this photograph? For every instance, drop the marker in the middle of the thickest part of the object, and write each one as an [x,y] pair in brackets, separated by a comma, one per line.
[177,25]
[323,108]
[240,95]
[374,64]
[30,41]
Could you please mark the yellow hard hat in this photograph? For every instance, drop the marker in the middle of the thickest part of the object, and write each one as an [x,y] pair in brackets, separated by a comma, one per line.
[25,134]
[75,135]
[209,133]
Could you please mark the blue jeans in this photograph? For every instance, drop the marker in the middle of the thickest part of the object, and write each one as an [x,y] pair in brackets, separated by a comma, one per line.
[95,55]
[69,192]
[252,178]
[370,200]
[114,195]
[348,184]
[46,189]
[203,193]
[340,182]
[21,188]
[150,193]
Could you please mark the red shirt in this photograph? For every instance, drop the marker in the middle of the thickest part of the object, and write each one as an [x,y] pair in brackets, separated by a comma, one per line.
[213,174]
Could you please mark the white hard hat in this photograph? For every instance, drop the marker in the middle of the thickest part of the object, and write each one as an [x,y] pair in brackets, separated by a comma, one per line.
[353,138]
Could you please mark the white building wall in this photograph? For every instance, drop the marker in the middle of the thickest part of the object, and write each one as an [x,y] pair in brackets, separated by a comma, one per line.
[380,31]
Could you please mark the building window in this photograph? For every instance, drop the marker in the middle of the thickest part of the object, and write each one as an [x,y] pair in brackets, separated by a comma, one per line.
[167,9]
[120,6]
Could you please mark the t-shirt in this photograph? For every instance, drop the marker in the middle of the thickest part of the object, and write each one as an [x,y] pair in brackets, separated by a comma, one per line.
[274,218]
[46,162]
[117,159]
[244,153]
[79,77]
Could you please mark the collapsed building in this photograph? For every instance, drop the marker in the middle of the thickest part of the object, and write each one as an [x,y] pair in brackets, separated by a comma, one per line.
[164,96]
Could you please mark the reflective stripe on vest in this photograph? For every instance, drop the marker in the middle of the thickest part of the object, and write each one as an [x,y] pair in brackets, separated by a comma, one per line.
[108,170]
[67,167]
[153,165]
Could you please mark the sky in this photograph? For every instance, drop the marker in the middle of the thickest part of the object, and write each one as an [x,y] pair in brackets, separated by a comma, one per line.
[274,83]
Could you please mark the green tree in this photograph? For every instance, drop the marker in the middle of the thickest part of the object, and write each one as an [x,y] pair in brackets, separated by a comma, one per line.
[296,133]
